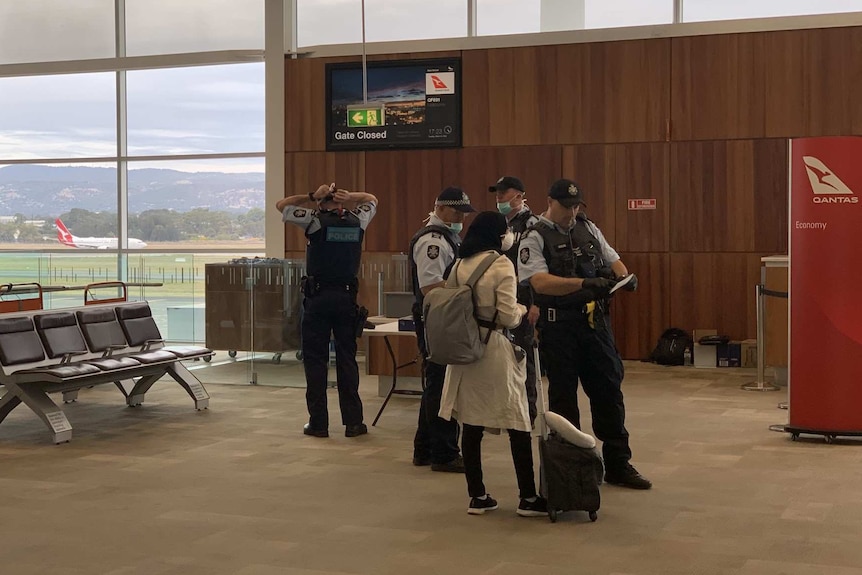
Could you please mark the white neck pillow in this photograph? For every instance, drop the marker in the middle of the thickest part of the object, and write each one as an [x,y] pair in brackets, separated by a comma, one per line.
[569,432]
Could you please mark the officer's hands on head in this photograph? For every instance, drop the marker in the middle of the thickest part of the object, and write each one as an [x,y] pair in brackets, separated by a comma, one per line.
[342,196]
[601,287]
[322,191]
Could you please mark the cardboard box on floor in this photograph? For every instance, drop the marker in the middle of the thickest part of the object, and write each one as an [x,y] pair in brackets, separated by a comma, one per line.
[748,353]
[704,355]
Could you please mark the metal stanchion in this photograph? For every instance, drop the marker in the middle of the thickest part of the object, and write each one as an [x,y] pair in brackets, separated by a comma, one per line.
[760,384]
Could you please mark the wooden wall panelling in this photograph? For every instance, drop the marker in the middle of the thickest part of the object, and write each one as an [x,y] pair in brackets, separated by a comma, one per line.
[305,171]
[593,168]
[536,166]
[612,91]
[728,195]
[406,183]
[808,77]
[771,196]
[715,290]
[520,83]
[641,316]
[641,171]
[475,89]
[718,87]
[853,55]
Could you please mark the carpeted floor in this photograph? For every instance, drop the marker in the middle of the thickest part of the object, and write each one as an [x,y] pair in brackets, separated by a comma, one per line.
[237,489]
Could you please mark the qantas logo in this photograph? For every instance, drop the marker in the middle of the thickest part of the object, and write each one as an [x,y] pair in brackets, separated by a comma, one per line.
[439,83]
[827,187]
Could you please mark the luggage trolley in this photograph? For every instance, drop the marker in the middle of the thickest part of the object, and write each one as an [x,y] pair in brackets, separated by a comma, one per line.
[11,300]
[120,295]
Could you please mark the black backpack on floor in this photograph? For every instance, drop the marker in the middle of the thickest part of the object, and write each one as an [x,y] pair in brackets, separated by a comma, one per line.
[670,349]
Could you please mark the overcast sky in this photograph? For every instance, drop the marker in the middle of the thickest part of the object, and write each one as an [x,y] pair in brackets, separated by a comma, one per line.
[215,109]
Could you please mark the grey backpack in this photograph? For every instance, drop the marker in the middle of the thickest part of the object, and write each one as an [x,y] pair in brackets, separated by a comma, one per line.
[451,326]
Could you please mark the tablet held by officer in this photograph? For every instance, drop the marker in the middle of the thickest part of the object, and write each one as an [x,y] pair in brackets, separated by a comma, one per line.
[334,222]
[572,269]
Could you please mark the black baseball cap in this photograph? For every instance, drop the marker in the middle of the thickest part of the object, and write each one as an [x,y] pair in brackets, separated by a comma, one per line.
[566,192]
[505,183]
[455,198]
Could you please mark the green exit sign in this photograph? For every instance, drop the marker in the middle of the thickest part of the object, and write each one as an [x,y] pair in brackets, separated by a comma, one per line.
[364,117]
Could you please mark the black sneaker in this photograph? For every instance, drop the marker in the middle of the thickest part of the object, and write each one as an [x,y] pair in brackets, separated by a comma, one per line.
[355,430]
[480,506]
[627,476]
[308,430]
[537,508]
[420,461]
[454,466]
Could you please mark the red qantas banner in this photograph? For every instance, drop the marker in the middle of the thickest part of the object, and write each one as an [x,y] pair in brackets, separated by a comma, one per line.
[825,371]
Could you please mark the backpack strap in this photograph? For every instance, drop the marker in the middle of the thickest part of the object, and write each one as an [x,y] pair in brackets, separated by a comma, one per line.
[482,268]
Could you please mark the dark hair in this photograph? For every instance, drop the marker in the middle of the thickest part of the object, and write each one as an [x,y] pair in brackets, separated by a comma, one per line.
[484,234]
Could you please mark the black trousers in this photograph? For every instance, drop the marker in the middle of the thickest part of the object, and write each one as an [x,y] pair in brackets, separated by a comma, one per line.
[523,336]
[572,350]
[436,439]
[522,456]
[330,312]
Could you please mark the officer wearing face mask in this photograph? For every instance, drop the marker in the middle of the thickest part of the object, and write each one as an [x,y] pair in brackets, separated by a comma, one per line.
[510,196]
[564,257]
[432,251]
[334,222]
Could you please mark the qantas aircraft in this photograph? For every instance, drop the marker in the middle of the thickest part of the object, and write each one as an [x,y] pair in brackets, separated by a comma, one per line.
[66,238]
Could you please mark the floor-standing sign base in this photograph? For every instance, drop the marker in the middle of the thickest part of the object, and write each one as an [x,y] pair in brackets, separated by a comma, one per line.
[825,229]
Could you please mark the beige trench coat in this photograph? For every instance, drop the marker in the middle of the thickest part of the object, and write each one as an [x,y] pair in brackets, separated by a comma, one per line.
[491,391]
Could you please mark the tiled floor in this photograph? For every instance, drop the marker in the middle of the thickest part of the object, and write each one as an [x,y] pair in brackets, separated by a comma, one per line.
[237,489]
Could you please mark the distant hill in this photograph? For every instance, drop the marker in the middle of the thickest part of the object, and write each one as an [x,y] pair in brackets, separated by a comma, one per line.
[52,190]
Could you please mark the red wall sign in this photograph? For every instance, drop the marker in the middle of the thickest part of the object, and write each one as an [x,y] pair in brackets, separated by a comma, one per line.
[642,204]
[825,368]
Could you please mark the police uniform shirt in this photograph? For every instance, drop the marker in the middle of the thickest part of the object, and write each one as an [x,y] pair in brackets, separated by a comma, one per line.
[307,218]
[433,254]
[531,260]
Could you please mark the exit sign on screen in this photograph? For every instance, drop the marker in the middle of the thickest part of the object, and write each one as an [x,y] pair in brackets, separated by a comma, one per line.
[642,204]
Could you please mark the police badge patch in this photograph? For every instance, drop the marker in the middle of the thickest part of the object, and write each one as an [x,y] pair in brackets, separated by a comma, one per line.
[365,208]
[299,213]
[433,252]
[524,256]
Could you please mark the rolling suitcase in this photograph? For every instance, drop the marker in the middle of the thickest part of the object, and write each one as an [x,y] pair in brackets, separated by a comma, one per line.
[569,475]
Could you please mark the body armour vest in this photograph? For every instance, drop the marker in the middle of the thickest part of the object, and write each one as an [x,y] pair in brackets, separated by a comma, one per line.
[518,225]
[573,255]
[414,271]
[334,251]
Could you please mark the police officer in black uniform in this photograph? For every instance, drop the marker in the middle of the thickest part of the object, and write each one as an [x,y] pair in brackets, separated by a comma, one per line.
[572,268]
[334,222]
[432,252]
[510,196]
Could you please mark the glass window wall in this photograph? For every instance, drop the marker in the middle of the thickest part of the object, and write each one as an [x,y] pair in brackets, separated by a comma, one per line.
[53,30]
[60,116]
[703,10]
[198,110]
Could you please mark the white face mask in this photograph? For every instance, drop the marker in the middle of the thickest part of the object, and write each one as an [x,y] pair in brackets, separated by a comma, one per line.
[508,241]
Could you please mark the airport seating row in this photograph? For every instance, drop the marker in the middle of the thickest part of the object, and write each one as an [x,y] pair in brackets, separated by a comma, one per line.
[45,352]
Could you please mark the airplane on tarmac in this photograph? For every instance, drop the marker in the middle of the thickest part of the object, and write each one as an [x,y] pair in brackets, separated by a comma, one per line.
[65,237]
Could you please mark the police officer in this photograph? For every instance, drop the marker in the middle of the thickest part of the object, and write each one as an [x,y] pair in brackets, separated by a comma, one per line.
[432,252]
[510,196]
[334,221]
[564,257]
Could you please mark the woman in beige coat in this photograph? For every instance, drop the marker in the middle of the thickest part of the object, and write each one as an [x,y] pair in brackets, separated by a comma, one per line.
[490,393]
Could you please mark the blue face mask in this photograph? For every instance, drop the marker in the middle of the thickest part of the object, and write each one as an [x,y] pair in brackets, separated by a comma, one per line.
[504,207]
[455,227]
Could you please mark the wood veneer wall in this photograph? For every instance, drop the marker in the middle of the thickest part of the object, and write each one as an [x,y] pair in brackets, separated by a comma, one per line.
[698,123]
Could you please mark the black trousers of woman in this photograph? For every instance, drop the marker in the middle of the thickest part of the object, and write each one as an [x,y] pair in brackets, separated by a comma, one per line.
[522,456]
